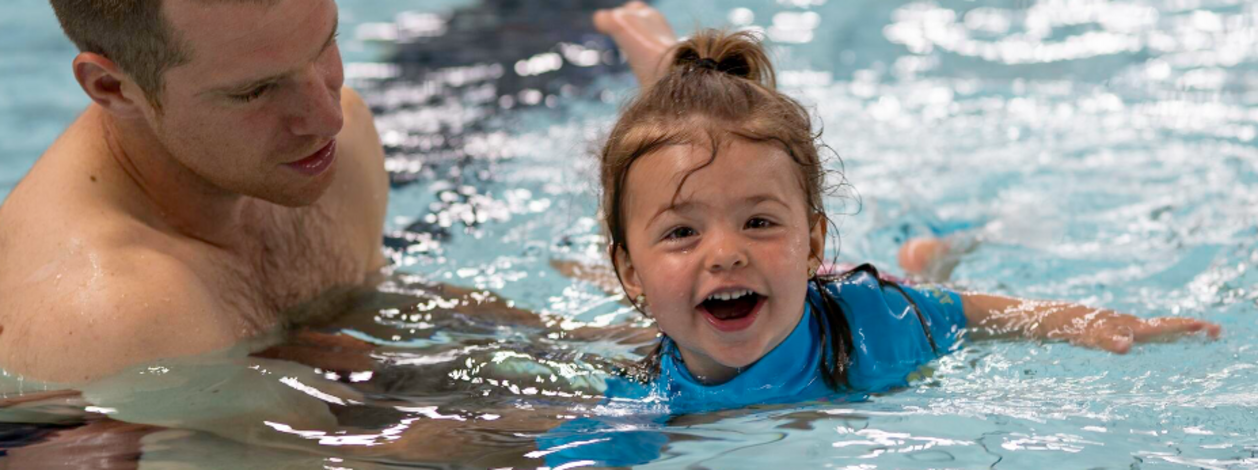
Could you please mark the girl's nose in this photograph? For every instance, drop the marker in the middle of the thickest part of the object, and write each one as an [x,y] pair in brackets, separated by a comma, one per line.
[727,253]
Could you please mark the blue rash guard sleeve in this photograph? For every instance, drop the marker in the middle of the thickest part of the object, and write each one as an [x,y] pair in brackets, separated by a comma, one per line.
[896,329]
[943,312]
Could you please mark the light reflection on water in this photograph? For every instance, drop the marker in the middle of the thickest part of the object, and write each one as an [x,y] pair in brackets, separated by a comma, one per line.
[1103,150]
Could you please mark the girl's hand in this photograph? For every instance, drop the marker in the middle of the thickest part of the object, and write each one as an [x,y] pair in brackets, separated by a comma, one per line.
[1116,332]
[1084,326]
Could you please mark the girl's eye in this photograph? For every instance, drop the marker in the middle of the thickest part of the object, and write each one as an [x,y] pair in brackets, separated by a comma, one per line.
[758,222]
[679,233]
[252,95]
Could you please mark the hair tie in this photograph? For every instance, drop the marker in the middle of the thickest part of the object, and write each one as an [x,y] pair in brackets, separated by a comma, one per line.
[706,63]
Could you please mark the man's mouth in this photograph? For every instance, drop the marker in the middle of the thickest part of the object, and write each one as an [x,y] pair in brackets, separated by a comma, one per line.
[732,311]
[317,162]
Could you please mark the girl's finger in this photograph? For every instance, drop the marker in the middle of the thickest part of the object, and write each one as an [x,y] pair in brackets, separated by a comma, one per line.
[1171,326]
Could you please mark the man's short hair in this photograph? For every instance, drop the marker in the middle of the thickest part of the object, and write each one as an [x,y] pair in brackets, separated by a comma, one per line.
[132,33]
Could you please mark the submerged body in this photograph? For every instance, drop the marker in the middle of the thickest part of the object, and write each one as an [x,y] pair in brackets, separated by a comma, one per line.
[897,330]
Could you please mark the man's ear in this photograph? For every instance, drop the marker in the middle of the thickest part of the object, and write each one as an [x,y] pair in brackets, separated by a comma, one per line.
[817,241]
[628,274]
[108,86]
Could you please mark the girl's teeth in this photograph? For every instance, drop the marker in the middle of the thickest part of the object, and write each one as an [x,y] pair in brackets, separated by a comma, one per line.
[730,295]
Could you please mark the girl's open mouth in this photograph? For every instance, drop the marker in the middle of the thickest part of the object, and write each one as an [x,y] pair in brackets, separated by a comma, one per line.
[730,313]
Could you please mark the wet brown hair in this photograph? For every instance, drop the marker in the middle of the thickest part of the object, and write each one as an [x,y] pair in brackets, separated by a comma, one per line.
[131,33]
[721,86]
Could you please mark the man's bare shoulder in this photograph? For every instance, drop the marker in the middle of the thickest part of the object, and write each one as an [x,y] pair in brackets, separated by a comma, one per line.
[361,193]
[361,145]
[92,310]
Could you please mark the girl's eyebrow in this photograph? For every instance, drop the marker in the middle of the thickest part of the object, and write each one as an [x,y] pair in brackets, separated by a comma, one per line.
[688,205]
[763,198]
[684,206]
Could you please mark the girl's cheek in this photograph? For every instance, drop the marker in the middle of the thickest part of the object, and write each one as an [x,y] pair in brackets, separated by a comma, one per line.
[672,281]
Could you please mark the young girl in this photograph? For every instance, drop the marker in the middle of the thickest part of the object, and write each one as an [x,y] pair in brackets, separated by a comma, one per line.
[713,193]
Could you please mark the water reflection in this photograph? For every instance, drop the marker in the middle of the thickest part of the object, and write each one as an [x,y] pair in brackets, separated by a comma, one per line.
[1073,30]
[447,77]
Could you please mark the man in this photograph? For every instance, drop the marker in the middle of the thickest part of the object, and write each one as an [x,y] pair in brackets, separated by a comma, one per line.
[222,175]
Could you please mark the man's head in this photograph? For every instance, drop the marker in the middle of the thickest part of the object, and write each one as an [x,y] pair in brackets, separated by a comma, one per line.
[235,91]
[131,33]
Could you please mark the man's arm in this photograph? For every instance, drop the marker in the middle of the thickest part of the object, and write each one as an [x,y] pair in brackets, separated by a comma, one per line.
[285,405]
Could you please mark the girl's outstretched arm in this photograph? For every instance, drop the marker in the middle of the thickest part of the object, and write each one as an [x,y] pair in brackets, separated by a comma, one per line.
[1086,326]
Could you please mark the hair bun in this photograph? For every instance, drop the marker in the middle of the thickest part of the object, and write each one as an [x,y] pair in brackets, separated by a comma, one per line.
[707,64]
[739,54]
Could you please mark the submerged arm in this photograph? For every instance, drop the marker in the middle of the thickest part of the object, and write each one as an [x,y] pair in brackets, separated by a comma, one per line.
[1000,316]
[278,407]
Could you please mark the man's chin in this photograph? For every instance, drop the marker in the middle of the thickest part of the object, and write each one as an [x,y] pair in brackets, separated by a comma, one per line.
[303,195]
[296,200]
[292,202]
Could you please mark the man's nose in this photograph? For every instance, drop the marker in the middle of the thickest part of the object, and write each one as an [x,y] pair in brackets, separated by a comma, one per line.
[726,251]
[317,106]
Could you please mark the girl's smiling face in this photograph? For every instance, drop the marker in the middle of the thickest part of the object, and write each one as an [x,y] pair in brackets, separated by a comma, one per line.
[723,259]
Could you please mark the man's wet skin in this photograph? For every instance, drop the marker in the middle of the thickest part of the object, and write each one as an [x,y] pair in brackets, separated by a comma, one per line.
[143,234]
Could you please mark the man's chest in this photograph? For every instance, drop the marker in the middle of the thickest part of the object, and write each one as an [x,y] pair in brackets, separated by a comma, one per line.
[292,257]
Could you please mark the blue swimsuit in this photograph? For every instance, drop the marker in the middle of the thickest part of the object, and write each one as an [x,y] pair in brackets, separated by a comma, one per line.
[890,343]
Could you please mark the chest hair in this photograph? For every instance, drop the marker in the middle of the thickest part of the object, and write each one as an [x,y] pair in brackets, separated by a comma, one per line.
[294,257]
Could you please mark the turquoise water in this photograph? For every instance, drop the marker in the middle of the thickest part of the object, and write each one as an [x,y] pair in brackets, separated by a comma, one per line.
[1104,150]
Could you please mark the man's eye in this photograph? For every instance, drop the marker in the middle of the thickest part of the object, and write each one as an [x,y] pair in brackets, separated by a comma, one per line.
[679,233]
[252,95]
[758,222]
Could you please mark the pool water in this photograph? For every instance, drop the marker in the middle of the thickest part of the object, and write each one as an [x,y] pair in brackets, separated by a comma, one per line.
[1104,151]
